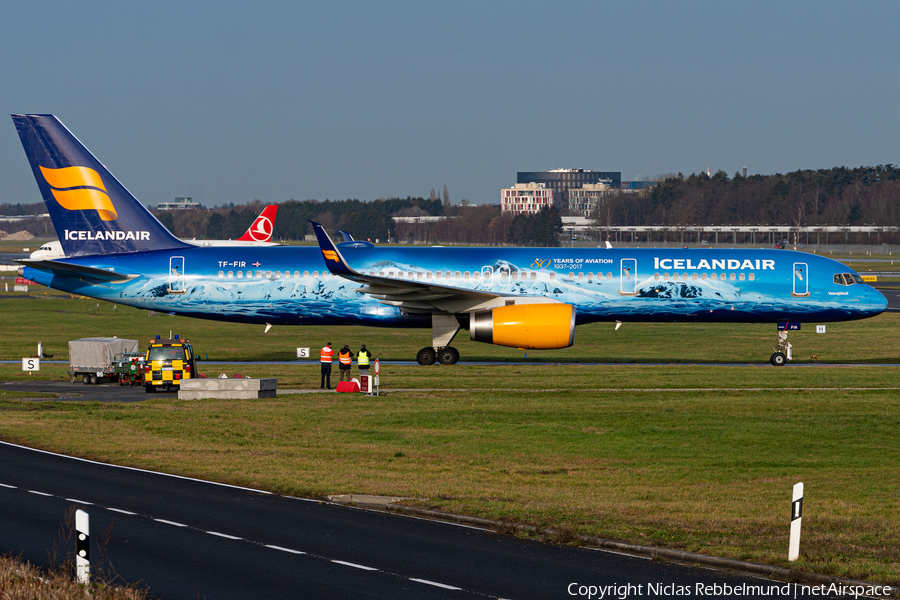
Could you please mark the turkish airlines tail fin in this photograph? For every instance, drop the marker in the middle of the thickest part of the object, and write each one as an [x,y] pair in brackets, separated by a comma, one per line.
[91,211]
[261,230]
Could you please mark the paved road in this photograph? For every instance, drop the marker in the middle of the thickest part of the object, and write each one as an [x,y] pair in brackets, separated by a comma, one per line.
[185,538]
[893,298]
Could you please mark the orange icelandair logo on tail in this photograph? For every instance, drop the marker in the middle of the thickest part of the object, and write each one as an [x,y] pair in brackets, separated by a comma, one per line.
[80,188]
[330,255]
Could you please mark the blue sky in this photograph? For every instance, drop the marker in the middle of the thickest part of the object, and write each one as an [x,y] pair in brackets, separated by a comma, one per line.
[233,101]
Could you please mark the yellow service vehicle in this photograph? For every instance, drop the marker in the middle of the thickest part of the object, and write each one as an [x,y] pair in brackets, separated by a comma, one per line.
[168,362]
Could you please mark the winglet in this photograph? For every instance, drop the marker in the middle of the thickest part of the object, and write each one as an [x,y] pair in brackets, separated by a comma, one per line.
[333,259]
[347,236]
[608,245]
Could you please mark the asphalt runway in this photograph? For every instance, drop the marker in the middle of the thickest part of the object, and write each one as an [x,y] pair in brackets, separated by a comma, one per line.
[185,538]
[893,298]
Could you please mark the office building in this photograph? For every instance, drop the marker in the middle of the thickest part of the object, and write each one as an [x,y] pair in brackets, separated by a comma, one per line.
[525,198]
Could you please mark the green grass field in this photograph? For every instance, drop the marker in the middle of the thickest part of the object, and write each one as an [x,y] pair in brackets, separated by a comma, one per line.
[55,318]
[695,456]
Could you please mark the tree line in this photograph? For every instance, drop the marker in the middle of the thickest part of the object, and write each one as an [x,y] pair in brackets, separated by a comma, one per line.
[864,195]
[838,196]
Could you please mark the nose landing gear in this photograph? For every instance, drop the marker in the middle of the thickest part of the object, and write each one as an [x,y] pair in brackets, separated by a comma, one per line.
[781,350]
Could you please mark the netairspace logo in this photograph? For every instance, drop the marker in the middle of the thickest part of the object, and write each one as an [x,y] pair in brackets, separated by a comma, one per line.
[723,590]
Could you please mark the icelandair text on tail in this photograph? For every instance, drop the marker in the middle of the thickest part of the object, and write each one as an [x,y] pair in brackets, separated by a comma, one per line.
[107,235]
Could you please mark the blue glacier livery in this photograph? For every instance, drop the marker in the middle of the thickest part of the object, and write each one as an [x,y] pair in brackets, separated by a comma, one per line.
[518,297]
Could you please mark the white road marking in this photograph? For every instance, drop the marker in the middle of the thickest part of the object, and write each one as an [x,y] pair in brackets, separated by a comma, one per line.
[39,493]
[354,565]
[79,501]
[224,535]
[435,584]
[170,523]
[619,553]
[119,510]
[284,549]
[12,487]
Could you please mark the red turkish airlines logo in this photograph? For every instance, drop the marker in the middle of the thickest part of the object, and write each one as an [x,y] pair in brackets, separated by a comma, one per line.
[261,230]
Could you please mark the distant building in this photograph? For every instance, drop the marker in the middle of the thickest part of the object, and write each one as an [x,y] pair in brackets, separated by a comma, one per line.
[584,200]
[560,181]
[525,198]
[181,203]
[636,186]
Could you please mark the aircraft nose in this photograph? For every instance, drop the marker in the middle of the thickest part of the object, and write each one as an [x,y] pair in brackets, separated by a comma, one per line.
[877,301]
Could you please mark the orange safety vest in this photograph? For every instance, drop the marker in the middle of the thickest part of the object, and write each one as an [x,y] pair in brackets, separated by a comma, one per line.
[327,354]
[346,359]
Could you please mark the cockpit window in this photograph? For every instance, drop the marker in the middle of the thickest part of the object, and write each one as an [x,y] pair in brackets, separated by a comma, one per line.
[847,279]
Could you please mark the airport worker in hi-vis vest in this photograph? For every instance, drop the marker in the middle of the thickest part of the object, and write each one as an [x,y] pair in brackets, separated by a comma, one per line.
[346,358]
[325,357]
[363,357]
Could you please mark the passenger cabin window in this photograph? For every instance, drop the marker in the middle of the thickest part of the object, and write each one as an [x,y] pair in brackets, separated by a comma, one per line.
[609,276]
[752,276]
[230,274]
[240,274]
[222,275]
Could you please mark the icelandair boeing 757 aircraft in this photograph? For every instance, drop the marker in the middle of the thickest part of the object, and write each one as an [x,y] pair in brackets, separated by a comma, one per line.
[518,297]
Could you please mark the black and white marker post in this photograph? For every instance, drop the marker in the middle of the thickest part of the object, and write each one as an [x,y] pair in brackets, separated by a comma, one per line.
[796,517]
[82,547]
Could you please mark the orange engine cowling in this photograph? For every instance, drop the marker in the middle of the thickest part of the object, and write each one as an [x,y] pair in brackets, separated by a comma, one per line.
[541,326]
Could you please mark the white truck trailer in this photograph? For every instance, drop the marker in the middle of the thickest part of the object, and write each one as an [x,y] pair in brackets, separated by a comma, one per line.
[92,359]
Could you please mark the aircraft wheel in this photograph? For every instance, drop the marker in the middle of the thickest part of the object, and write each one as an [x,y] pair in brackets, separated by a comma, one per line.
[448,356]
[150,389]
[426,356]
[778,359]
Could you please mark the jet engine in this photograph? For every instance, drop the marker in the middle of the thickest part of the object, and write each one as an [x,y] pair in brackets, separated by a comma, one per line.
[540,326]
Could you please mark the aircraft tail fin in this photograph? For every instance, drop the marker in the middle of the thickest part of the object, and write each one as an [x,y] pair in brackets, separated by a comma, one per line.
[262,227]
[333,259]
[91,211]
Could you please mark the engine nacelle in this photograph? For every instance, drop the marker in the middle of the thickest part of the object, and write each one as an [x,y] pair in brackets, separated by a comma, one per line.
[535,326]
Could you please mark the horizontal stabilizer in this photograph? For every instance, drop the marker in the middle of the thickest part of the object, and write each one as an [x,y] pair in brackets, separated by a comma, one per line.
[65,269]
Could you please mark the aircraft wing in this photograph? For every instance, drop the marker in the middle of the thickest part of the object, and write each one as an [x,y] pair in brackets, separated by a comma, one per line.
[64,269]
[407,294]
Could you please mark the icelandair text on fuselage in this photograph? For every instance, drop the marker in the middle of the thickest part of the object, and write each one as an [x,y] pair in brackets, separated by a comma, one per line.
[731,264]
[107,235]
[621,591]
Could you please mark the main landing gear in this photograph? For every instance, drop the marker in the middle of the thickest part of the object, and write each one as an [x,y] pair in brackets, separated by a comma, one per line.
[782,350]
[444,328]
[446,356]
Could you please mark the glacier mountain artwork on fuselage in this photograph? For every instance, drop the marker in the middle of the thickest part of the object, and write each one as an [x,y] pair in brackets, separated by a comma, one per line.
[518,297]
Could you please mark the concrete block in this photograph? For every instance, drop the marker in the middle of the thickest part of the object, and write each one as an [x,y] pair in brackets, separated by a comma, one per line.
[239,389]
